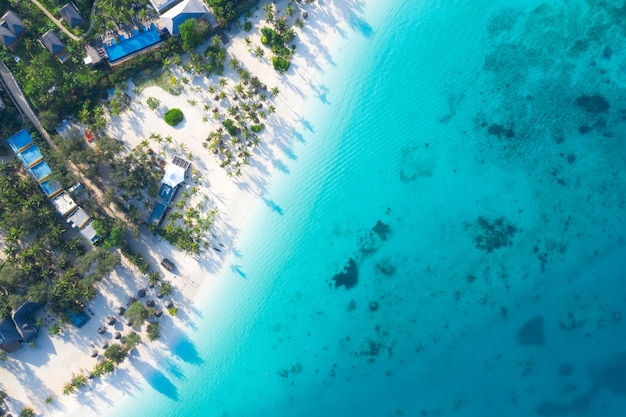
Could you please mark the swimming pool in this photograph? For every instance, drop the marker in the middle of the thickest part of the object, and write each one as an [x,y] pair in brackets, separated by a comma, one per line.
[133,44]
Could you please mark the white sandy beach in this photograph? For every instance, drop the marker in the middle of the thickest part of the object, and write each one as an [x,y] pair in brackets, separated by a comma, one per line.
[33,374]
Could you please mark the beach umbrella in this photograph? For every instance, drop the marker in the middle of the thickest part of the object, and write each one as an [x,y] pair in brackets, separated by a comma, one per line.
[141,293]
[122,339]
[94,353]
[105,344]
[169,304]
[118,335]
[158,313]
[131,300]
[150,303]
[111,320]
[121,311]
[159,295]
[130,323]
[102,330]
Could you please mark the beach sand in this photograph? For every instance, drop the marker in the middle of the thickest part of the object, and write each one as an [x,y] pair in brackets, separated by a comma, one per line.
[33,374]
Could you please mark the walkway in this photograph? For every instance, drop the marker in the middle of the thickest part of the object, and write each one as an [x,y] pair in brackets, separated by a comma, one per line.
[56,21]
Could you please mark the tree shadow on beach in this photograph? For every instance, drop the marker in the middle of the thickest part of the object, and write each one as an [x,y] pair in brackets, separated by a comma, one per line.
[159,382]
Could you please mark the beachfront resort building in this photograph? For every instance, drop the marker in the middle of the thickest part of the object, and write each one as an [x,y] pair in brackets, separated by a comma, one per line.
[20,328]
[51,41]
[11,28]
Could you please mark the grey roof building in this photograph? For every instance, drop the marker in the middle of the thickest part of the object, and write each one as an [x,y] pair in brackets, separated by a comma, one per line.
[11,21]
[10,339]
[10,29]
[71,15]
[24,319]
[51,41]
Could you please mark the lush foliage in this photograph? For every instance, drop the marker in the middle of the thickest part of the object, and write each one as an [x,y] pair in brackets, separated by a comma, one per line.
[173,117]
[37,260]
[193,32]
[116,353]
[153,103]
[138,313]
[153,331]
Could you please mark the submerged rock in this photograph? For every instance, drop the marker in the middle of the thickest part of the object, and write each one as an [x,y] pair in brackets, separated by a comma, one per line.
[531,333]
[349,277]
[382,230]
[594,104]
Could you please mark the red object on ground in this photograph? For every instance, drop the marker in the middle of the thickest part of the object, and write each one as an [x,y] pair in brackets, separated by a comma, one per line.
[89,136]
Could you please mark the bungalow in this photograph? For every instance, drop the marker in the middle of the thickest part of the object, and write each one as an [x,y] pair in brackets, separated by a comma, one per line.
[10,29]
[51,41]
[71,15]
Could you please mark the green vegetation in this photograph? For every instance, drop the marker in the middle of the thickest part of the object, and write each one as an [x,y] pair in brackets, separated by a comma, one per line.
[138,313]
[215,55]
[27,412]
[103,368]
[153,331]
[193,32]
[132,340]
[173,117]
[247,26]
[153,103]
[37,264]
[280,64]
[116,353]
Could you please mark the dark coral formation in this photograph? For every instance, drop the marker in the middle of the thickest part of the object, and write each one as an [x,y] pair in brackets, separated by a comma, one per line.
[349,277]
[382,230]
[500,131]
[493,235]
[531,333]
[594,104]
[385,267]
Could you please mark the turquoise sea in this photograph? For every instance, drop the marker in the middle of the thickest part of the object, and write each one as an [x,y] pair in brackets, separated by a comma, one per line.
[461,172]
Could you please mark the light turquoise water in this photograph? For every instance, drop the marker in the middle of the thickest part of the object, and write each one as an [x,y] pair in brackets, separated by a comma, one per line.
[462,127]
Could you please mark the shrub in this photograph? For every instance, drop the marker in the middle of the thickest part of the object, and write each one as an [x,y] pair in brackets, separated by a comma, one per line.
[153,331]
[257,128]
[280,64]
[247,25]
[173,117]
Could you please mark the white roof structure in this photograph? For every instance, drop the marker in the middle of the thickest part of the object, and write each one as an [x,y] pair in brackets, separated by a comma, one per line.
[64,204]
[89,233]
[78,218]
[188,9]
[174,175]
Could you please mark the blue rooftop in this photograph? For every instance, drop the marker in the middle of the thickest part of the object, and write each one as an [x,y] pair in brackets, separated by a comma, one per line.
[30,156]
[41,171]
[167,193]
[20,141]
[158,213]
[133,44]
[50,188]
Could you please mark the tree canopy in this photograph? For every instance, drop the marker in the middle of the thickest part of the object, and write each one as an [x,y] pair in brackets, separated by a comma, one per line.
[193,32]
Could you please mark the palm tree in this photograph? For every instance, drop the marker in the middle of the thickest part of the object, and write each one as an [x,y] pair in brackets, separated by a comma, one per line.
[290,10]
[259,52]
[268,9]
[274,92]
[234,63]
[247,41]
[223,82]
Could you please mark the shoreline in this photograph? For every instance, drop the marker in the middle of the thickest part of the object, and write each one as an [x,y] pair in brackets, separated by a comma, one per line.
[236,200]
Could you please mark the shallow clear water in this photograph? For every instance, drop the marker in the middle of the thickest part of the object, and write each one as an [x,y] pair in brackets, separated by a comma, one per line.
[468,167]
